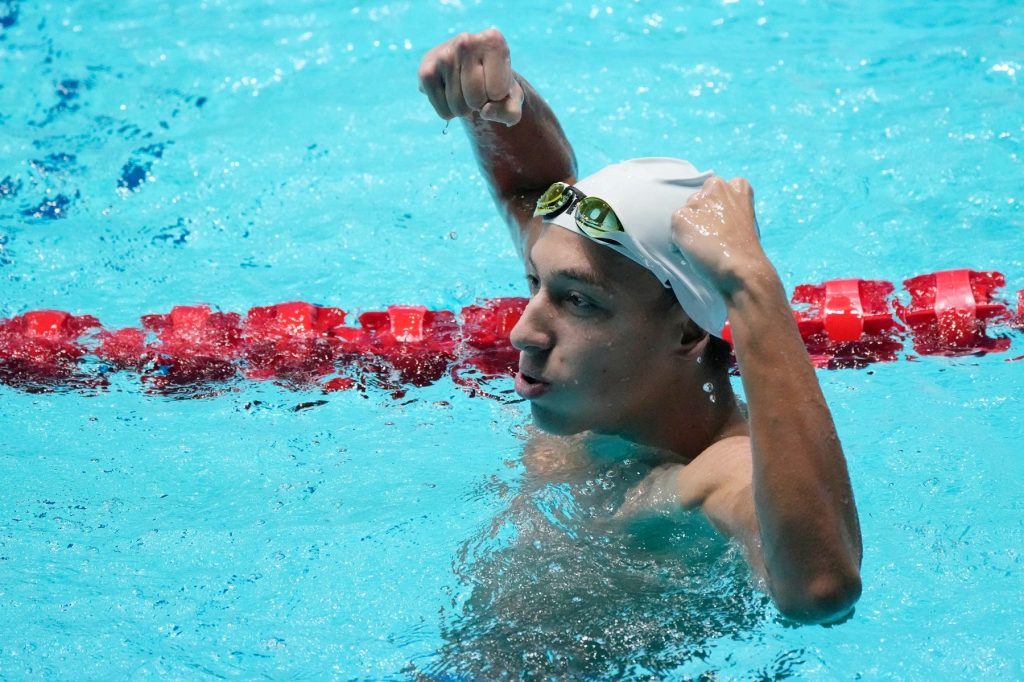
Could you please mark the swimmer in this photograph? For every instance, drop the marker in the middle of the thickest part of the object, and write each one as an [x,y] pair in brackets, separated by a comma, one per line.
[632,272]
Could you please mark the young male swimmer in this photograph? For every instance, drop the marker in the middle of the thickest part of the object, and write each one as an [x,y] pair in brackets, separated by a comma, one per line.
[632,272]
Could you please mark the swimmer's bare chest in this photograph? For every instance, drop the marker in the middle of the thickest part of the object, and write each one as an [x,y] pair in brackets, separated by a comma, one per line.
[668,485]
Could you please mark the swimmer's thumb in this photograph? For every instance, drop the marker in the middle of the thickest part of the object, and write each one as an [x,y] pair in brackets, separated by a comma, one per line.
[508,111]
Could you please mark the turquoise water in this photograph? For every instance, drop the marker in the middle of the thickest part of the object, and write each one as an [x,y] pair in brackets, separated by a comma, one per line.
[247,153]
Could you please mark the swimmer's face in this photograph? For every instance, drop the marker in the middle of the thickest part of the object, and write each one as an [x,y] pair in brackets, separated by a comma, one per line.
[599,349]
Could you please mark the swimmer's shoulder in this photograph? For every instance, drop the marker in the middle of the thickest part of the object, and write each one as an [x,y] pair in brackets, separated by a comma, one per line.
[725,466]
[547,455]
[555,457]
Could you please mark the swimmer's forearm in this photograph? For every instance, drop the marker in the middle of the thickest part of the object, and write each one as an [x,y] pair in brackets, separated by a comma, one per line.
[810,533]
[520,161]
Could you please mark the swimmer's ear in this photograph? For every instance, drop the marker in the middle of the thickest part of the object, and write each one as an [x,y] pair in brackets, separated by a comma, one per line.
[694,348]
[693,341]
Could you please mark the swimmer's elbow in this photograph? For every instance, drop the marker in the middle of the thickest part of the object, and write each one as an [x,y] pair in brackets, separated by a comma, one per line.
[827,599]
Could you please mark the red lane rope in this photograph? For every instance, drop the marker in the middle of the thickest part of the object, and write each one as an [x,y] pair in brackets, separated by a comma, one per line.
[844,323]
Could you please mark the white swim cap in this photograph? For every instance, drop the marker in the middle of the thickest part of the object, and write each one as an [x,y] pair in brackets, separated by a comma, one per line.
[644,193]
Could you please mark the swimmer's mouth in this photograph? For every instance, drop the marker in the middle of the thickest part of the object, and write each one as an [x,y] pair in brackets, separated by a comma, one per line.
[530,387]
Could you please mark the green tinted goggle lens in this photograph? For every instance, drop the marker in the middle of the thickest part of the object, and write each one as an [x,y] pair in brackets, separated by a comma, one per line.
[554,199]
[596,218]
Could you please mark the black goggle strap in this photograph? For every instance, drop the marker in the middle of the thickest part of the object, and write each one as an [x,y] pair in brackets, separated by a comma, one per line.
[558,198]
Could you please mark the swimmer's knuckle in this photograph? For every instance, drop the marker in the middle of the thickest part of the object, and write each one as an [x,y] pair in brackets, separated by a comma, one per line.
[444,57]
[427,70]
[492,37]
[496,43]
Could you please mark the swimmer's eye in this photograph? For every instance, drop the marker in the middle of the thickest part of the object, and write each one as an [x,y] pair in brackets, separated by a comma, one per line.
[578,301]
[534,283]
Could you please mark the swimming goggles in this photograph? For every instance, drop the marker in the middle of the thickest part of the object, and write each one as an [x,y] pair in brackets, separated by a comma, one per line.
[594,217]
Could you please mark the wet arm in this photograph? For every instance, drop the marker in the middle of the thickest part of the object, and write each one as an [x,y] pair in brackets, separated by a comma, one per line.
[806,519]
[520,161]
[517,140]
[793,508]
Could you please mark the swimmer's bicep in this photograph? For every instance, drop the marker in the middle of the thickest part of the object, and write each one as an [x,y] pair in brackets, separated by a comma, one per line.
[518,210]
[732,512]
[724,494]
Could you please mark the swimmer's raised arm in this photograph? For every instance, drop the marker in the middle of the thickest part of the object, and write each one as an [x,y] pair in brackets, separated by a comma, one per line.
[518,142]
[794,511]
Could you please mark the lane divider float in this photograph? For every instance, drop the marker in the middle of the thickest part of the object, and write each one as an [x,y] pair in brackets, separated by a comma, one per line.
[191,349]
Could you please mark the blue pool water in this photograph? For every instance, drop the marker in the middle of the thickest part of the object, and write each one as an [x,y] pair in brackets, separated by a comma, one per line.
[243,153]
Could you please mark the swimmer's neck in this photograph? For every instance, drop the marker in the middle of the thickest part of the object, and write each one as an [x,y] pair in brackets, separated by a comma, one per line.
[686,426]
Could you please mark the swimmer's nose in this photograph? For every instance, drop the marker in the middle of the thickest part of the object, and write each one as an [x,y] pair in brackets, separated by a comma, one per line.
[531,333]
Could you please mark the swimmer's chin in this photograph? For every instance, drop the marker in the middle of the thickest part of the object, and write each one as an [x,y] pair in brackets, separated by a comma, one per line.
[554,425]
[566,425]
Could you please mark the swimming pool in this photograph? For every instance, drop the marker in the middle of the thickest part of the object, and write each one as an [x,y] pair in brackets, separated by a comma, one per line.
[248,153]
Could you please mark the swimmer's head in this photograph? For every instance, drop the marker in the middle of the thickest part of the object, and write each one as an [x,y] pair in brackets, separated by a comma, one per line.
[642,195]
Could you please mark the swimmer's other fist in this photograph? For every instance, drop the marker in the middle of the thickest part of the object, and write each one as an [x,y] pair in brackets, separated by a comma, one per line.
[716,231]
[472,73]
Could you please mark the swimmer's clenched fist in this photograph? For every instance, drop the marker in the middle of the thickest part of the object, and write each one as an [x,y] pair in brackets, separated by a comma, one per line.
[470,73]
[716,230]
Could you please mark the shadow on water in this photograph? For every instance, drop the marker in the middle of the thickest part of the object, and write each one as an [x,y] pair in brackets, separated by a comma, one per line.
[557,587]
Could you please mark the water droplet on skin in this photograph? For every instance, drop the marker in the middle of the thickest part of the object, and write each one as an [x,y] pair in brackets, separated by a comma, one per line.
[708,387]
[712,397]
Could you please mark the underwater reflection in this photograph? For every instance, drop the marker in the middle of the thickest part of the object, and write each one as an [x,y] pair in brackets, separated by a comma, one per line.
[560,586]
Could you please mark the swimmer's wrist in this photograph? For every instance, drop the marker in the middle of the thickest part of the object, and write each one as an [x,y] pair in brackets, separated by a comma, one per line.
[755,287]
[741,279]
